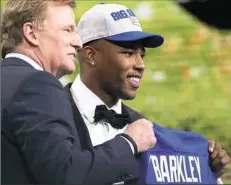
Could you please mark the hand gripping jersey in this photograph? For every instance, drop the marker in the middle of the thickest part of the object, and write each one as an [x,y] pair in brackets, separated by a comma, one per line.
[179,157]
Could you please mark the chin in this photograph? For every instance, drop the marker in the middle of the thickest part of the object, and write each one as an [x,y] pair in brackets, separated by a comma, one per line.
[128,96]
[64,72]
[70,69]
[70,66]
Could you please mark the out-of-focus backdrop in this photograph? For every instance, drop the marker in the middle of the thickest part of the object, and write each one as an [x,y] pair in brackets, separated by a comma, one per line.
[187,84]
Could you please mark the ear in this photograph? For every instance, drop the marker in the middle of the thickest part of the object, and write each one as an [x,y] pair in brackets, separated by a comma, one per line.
[28,30]
[89,55]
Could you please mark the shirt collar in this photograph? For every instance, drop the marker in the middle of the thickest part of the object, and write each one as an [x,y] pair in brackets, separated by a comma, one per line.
[26,59]
[86,100]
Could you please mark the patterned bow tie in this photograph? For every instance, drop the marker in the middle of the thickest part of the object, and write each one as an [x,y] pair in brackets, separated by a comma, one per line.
[117,121]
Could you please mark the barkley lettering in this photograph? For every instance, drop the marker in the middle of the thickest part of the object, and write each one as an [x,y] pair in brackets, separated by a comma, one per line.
[176,168]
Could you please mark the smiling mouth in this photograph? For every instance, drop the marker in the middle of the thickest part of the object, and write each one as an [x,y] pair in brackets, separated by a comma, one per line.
[73,56]
[134,81]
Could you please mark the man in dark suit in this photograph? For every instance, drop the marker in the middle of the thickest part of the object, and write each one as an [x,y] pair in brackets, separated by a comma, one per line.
[39,138]
[111,67]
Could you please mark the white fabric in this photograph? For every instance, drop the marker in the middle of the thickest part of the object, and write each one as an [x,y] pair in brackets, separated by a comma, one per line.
[219,181]
[97,22]
[86,102]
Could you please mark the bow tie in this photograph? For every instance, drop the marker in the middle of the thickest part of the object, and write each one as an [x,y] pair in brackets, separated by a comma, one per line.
[117,121]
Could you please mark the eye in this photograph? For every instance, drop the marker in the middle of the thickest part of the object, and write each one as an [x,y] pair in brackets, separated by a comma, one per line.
[129,53]
[142,55]
[69,30]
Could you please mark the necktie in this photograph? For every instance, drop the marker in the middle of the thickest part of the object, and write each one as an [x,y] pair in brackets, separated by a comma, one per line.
[117,121]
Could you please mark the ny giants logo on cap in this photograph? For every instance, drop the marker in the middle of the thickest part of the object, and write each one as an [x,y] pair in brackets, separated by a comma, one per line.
[124,14]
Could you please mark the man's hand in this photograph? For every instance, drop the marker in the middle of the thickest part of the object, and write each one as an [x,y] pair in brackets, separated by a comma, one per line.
[219,159]
[141,131]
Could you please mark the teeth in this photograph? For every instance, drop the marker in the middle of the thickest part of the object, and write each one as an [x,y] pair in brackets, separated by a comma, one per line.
[135,79]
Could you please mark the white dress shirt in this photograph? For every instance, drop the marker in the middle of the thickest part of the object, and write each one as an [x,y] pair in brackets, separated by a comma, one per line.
[86,101]
[26,59]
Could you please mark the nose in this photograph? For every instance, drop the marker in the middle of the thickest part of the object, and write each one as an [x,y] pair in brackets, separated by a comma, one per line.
[139,65]
[76,42]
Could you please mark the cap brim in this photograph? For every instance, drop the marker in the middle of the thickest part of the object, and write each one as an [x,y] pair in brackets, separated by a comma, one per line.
[149,40]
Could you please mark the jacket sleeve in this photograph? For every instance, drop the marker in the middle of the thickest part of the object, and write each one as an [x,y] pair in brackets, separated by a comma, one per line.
[42,122]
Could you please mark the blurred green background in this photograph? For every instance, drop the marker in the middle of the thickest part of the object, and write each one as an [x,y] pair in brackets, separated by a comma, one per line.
[187,84]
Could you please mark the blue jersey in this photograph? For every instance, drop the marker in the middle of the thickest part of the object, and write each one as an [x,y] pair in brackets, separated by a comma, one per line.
[178,157]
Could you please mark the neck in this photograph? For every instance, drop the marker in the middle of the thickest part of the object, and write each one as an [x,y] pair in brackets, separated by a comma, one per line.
[29,53]
[94,86]
[36,57]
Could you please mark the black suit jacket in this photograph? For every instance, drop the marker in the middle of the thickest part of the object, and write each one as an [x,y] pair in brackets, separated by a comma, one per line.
[40,141]
[85,139]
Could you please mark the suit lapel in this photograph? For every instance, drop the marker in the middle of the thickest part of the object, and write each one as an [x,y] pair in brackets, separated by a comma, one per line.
[84,136]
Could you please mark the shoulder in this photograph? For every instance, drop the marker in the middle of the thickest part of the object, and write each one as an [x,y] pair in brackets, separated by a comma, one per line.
[42,93]
[43,77]
[40,86]
[43,82]
[135,115]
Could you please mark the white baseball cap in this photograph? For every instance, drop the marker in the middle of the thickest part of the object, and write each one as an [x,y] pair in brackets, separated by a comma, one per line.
[114,22]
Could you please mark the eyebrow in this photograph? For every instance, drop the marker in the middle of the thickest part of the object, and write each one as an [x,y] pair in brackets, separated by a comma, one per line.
[73,27]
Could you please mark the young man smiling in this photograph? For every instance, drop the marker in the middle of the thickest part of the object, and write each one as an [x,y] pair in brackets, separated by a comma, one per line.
[111,68]
[111,64]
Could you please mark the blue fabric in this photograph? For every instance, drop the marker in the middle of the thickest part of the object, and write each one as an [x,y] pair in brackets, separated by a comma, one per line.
[178,157]
[149,40]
